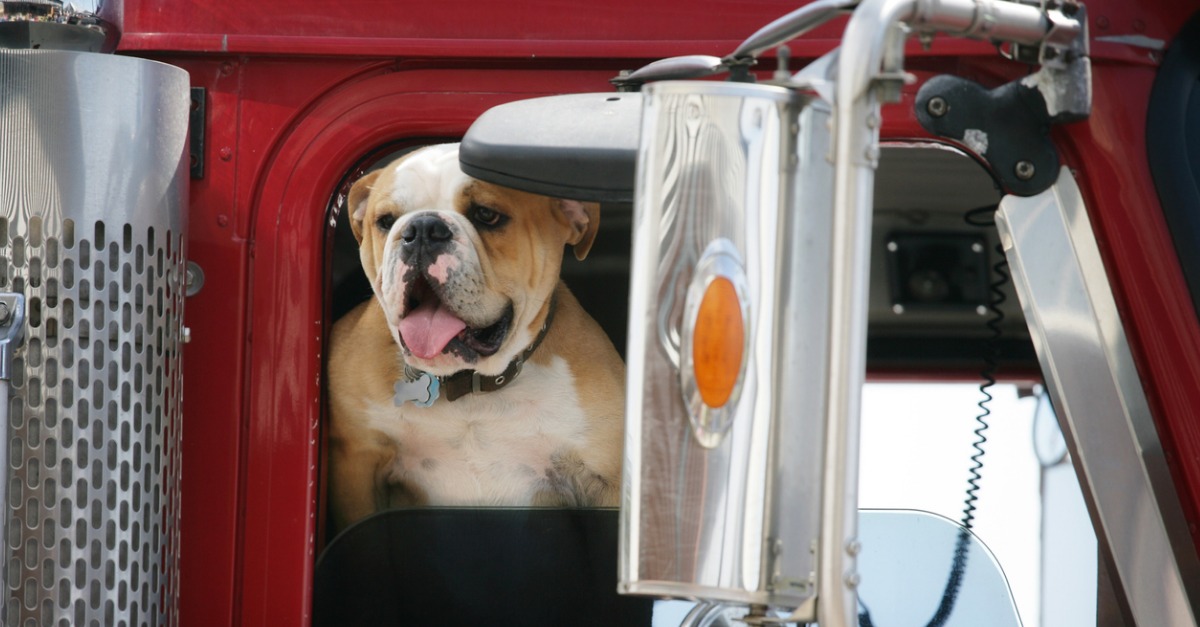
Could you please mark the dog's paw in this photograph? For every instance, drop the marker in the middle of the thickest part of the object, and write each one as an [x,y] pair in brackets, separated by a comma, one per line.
[569,482]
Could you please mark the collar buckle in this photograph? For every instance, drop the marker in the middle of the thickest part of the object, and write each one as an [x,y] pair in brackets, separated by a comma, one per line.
[476,383]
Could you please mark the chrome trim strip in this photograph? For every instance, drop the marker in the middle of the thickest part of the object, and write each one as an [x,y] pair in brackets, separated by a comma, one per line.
[1089,369]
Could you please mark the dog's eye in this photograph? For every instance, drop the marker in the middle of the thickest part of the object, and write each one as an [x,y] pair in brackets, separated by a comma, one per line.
[487,217]
[385,222]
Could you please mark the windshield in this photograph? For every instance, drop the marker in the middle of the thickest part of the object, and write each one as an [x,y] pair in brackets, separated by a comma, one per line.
[915,452]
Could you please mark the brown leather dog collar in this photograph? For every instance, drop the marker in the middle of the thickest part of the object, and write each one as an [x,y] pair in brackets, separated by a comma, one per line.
[455,386]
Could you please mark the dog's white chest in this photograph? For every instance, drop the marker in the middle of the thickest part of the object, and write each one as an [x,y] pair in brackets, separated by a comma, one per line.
[493,448]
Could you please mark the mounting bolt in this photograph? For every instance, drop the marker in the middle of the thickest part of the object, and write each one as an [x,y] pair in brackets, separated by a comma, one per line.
[193,279]
[1024,170]
[937,106]
[853,548]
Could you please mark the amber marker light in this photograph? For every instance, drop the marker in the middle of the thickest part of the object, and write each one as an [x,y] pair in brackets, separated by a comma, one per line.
[718,342]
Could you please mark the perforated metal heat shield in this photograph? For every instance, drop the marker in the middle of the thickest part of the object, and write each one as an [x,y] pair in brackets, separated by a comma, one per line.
[92,232]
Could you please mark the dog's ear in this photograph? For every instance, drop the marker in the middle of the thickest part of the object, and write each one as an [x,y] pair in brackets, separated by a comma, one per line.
[584,220]
[356,202]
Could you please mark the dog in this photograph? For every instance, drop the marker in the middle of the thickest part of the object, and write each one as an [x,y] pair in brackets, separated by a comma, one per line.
[473,377]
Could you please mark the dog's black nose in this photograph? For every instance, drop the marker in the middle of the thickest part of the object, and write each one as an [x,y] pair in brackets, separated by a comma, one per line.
[425,232]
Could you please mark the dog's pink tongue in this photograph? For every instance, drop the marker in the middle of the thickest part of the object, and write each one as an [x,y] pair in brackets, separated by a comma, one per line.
[429,328]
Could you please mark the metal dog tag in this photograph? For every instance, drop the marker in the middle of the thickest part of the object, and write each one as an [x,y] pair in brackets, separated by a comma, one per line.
[422,391]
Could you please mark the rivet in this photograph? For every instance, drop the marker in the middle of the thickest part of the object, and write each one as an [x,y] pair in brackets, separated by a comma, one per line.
[1024,170]
[937,106]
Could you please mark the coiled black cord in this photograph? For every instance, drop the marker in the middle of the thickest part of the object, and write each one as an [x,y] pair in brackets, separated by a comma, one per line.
[864,616]
[983,216]
[991,358]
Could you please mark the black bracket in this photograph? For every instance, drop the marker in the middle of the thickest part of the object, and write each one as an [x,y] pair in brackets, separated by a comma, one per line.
[1008,126]
[196,121]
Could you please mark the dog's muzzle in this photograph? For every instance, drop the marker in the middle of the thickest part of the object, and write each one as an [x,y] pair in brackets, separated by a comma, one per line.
[432,310]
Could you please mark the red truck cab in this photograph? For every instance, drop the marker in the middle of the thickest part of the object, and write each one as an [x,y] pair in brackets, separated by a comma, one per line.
[292,101]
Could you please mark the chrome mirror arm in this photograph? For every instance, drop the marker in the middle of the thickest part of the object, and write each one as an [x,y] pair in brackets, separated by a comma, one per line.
[791,26]
[871,57]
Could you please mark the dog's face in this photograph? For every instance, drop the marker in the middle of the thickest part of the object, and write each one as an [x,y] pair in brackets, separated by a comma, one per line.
[462,268]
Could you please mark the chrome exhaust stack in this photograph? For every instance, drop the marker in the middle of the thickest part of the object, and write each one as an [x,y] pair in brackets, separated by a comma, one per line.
[93,185]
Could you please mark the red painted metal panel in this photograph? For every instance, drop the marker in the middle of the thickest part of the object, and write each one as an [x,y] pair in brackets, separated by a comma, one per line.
[214,369]
[544,27]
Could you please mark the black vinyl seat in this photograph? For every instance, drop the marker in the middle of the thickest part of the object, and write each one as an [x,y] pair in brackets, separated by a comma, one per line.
[451,566]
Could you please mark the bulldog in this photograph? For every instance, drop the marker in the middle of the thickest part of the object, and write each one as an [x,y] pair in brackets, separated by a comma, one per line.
[473,377]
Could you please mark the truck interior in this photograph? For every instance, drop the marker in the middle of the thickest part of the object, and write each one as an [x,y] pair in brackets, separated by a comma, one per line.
[940,310]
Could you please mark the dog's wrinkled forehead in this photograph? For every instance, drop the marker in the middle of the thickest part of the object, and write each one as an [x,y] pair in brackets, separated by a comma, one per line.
[429,180]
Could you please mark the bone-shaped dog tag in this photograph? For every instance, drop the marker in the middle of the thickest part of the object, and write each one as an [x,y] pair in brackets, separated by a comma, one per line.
[422,391]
